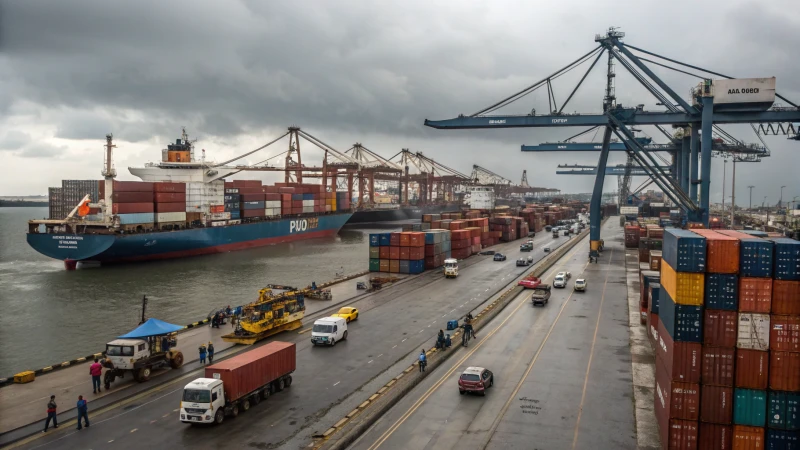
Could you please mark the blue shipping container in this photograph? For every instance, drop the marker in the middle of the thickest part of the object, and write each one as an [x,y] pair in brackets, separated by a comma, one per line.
[253,205]
[656,289]
[784,410]
[374,240]
[683,322]
[386,239]
[136,218]
[684,251]
[749,407]
[235,214]
[787,259]
[297,197]
[231,198]
[416,266]
[756,257]
[783,440]
[721,291]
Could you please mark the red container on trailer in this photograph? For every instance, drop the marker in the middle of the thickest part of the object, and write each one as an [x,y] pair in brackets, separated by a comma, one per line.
[720,328]
[786,297]
[249,371]
[718,366]
[752,369]
[784,334]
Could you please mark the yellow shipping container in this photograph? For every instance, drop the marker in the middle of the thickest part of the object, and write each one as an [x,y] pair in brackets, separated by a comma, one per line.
[333,204]
[24,377]
[684,288]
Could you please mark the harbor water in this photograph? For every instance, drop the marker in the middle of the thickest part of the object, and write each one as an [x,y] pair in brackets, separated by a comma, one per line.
[51,315]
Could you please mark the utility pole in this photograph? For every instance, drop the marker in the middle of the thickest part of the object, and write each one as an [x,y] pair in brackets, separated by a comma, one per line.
[751,196]
[733,193]
[724,172]
[144,309]
[780,201]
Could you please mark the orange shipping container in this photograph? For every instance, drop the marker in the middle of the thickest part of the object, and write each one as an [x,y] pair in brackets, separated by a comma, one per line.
[752,369]
[404,253]
[394,253]
[722,252]
[416,253]
[394,266]
[784,371]
[784,333]
[417,239]
[786,297]
[755,295]
[748,438]
[405,239]
[384,264]
[384,253]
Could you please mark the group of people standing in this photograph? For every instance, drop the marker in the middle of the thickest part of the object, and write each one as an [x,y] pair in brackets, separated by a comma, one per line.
[206,352]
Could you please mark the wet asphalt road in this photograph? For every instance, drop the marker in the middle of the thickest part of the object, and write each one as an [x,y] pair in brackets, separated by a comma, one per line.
[562,374]
[393,325]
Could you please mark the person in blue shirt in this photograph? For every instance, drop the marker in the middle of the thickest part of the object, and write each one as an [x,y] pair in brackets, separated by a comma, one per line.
[423,361]
[202,351]
[83,412]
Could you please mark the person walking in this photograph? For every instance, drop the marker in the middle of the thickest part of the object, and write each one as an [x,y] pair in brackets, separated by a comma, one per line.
[202,350]
[83,412]
[96,371]
[423,361]
[51,414]
[210,352]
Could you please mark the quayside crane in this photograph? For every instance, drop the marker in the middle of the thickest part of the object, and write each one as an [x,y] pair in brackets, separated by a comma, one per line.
[724,100]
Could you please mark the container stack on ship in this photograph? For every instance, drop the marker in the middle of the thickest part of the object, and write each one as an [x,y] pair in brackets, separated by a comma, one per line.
[723,315]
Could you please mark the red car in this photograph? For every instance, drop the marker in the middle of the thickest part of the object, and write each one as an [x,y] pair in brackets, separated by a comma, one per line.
[475,379]
[529,282]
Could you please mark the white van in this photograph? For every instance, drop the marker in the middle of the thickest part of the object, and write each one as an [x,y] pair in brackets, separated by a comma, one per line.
[328,330]
[450,268]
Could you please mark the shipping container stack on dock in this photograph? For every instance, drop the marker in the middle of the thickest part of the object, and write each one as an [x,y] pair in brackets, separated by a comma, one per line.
[727,340]
[403,252]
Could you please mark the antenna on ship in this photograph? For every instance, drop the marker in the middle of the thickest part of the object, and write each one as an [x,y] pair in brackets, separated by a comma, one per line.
[108,165]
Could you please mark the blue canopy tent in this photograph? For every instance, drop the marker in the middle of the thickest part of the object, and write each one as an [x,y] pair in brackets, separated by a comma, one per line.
[153,327]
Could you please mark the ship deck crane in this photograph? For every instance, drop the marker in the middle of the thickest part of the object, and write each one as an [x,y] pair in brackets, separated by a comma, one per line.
[699,116]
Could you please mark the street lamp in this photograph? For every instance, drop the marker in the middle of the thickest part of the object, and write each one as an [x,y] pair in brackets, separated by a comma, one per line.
[780,201]
[724,171]
[751,196]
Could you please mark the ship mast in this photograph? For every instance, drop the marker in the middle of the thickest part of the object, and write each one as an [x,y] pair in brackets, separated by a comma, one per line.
[108,169]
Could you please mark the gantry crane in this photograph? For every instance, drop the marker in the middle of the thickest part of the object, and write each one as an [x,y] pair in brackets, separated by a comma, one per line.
[698,116]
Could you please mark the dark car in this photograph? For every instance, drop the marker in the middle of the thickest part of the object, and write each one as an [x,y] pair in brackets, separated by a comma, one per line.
[547,249]
[475,379]
[499,257]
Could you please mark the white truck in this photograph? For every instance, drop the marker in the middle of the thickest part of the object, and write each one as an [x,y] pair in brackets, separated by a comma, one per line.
[450,268]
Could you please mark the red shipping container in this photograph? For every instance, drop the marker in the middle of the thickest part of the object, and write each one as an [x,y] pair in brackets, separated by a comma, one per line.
[652,329]
[755,295]
[430,262]
[784,371]
[131,208]
[252,197]
[784,333]
[416,253]
[675,399]
[286,197]
[720,328]
[169,207]
[416,239]
[169,197]
[678,434]
[786,297]
[722,252]
[171,187]
[394,239]
[404,253]
[430,250]
[718,366]
[217,208]
[459,244]
[713,436]
[249,213]
[405,239]
[716,404]
[384,252]
[132,186]
[295,204]
[681,360]
[253,369]
[133,197]
[394,253]
[461,253]
[748,438]
[273,197]
[394,266]
[752,369]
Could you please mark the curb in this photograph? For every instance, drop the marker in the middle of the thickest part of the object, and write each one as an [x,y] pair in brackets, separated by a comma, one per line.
[388,401]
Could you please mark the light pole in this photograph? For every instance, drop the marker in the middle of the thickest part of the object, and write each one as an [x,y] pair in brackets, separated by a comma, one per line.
[724,172]
[733,193]
[780,201]
[751,196]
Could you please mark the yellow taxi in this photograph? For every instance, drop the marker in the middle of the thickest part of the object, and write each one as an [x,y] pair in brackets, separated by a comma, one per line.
[347,313]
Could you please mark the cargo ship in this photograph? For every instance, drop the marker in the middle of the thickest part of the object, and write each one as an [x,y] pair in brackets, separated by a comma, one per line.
[182,207]
[398,213]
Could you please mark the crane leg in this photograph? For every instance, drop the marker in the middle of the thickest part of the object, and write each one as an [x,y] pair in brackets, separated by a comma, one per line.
[597,196]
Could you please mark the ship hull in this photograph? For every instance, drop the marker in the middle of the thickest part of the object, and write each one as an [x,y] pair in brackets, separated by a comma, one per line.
[120,248]
[403,213]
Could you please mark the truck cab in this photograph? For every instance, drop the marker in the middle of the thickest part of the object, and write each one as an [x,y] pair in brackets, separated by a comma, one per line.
[123,353]
[450,268]
[203,401]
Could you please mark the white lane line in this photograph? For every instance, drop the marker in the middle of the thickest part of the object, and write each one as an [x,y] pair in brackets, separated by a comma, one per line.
[380,355]
[174,410]
[395,345]
[165,415]
[444,315]
[370,361]
[452,310]
[420,331]
[134,430]
[428,327]
[487,290]
[462,305]
[336,383]
[153,421]
[404,340]
[110,441]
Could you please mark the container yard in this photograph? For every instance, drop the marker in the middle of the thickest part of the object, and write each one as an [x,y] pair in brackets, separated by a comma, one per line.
[721,314]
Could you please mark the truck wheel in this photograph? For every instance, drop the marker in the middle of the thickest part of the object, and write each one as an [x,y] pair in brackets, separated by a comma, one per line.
[245,405]
[144,374]
[136,376]
[281,384]
[344,337]
[265,393]
[177,360]
[219,417]
[235,410]
[255,399]
[288,381]
[333,342]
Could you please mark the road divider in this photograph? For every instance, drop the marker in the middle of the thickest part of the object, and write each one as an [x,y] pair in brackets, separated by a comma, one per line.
[346,430]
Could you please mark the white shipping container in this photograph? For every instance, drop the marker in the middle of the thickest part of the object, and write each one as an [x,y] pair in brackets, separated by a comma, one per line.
[272,212]
[308,209]
[219,223]
[744,90]
[272,204]
[753,331]
[234,222]
[629,210]
[221,216]
[198,209]
[171,217]
[657,205]
[308,203]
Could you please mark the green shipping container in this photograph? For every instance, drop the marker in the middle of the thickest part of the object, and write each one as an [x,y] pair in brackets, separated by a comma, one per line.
[750,407]
[374,253]
[784,410]
[374,265]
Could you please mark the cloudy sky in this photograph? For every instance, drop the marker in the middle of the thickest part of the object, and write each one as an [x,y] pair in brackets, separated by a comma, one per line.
[237,73]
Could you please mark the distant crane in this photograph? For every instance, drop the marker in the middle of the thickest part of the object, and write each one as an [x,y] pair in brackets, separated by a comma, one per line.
[524,181]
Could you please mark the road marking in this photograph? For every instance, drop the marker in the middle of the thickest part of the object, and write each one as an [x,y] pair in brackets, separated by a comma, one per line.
[134,430]
[153,421]
[110,441]
[304,331]
[404,340]
[452,310]
[420,331]
[462,305]
[395,345]
[487,290]
[370,361]
[444,315]
[336,383]
[165,415]
[380,355]
[430,326]
[591,353]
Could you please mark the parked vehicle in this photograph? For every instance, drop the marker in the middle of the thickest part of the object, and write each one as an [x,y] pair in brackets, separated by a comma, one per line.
[580,285]
[541,295]
[450,268]
[522,262]
[499,257]
[233,385]
[149,347]
[347,313]
[475,379]
[329,330]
